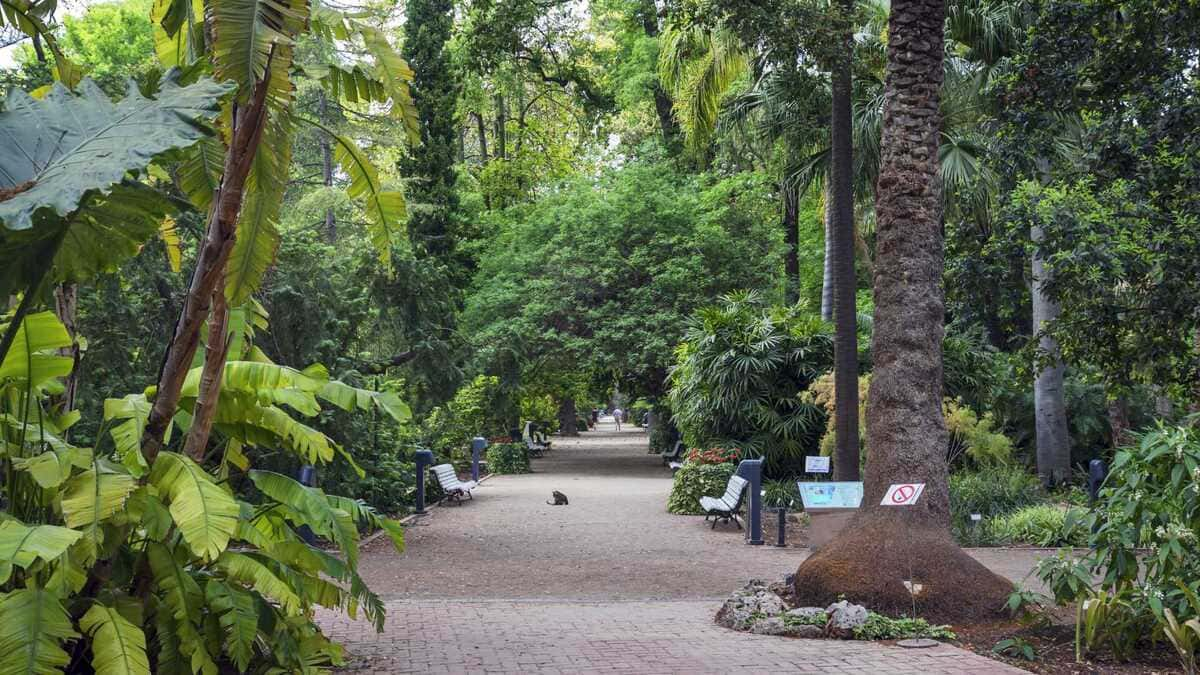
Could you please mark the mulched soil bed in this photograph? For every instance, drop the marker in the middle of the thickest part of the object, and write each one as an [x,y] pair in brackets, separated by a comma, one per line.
[1055,647]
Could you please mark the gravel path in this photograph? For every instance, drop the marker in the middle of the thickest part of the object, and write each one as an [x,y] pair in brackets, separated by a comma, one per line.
[508,583]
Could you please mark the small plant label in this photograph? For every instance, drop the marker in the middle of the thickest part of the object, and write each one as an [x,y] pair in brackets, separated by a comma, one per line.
[815,464]
[903,494]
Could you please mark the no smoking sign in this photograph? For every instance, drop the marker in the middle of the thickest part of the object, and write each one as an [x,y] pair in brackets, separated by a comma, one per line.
[903,494]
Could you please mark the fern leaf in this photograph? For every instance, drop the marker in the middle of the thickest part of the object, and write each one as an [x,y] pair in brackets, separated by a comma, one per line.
[118,646]
[205,513]
[33,623]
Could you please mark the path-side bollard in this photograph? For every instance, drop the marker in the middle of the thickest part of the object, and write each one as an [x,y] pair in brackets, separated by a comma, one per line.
[424,459]
[477,445]
[751,470]
[1097,472]
[782,537]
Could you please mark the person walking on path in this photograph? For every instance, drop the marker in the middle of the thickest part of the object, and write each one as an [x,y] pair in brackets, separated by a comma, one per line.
[617,415]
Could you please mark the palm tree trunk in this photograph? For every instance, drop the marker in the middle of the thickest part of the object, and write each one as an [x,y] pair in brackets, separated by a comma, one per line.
[791,234]
[884,547]
[1049,404]
[845,313]
[209,275]
[827,273]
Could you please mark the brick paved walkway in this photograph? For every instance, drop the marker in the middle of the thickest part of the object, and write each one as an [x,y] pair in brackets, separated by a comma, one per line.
[508,584]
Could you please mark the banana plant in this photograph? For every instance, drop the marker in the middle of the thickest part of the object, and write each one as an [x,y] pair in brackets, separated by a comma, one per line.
[136,568]
[240,178]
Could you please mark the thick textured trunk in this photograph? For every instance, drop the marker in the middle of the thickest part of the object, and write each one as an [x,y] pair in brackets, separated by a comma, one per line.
[845,313]
[1049,402]
[827,264]
[791,234]
[219,236]
[215,353]
[326,164]
[884,547]
[66,308]
[567,417]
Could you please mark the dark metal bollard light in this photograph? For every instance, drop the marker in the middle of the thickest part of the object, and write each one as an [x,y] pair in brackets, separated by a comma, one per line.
[477,446]
[1097,472]
[751,470]
[782,511]
[424,459]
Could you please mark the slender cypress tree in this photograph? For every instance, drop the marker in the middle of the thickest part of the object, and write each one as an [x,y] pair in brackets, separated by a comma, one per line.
[430,166]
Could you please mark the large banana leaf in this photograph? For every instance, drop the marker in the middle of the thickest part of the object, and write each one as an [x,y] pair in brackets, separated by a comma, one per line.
[55,151]
[22,545]
[33,357]
[205,513]
[249,570]
[385,209]
[182,601]
[32,624]
[118,646]
[95,495]
[237,613]
[245,33]
[311,507]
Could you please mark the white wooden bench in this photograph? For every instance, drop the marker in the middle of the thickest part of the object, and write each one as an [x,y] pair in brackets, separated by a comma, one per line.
[454,488]
[727,505]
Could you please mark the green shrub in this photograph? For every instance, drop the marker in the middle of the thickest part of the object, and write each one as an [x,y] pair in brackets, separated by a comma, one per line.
[693,481]
[1039,525]
[990,492]
[782,493]
[508,458]
[448,429]
[880,627]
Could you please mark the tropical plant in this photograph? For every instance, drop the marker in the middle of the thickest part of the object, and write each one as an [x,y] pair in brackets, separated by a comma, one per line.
[693,481]
[165,564]
[508,458]
[738,376]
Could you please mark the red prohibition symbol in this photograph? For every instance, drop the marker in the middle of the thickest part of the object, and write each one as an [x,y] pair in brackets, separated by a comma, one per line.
[903,493]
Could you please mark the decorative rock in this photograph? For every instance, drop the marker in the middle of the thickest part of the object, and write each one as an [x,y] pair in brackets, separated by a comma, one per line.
[844,617]
[749,604]
[806,631]
[806,612]
[769,626]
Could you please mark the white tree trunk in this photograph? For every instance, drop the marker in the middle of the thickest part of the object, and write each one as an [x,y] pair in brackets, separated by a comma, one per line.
[1050,409]
[827,273]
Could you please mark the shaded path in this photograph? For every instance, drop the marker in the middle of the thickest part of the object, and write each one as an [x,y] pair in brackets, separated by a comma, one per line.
[612,582]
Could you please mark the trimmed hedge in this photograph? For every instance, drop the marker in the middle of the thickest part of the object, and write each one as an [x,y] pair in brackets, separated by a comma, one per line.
[693,481]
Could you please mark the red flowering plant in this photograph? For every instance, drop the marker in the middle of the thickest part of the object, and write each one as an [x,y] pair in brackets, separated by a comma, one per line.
[714,455]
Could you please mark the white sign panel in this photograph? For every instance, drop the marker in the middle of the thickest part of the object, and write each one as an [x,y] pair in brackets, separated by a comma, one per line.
[903,494]
[814,464]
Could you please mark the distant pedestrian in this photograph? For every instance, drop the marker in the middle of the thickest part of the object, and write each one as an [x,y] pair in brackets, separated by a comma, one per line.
[618,414]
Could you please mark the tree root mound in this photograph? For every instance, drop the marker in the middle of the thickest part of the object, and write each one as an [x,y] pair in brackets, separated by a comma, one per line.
[870,561]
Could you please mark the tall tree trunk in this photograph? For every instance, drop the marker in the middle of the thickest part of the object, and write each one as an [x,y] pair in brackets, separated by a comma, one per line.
[884,547]
[567,417]
[501,127]
[1049,402]
[845,312]
[827,264]
[215,353]
[1118,420]
[791,234]
[209,275]
[481,128]
[66,308]
[326,164]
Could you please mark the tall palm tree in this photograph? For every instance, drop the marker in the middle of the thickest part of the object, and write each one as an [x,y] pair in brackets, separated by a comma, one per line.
[886,546]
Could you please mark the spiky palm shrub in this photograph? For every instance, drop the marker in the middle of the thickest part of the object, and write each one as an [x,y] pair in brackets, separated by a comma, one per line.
[740,373]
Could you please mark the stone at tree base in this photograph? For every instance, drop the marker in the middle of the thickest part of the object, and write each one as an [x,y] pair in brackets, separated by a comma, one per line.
[844,617]
[769,626]
[752,602]
[806,631]
[806,612]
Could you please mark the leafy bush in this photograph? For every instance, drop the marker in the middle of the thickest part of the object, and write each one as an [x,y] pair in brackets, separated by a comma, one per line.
[781,493]
[737,374]
[1143,543]
[508,458]
[448,429]
[693,481]
[990,492]
[1039,525]
[972,437]
[880,627]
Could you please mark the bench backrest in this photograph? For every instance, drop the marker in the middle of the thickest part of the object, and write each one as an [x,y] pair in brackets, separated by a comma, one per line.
[526,432]
[446,476]
[734,491]
[677,451]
